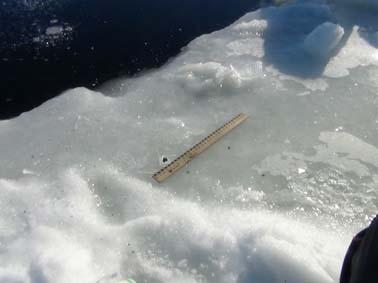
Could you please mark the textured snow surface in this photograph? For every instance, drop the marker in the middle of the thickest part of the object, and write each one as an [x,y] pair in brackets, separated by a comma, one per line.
[278,200]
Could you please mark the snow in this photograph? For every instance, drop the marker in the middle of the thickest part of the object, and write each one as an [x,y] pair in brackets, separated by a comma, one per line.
[281,204]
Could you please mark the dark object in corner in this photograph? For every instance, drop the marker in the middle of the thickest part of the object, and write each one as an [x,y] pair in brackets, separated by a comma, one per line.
[360,263]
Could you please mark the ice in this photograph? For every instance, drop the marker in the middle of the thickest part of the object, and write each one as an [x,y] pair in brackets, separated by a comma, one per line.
[276,200]
[323,39]
[358,53]
[54,30]
[258,26]
[369,4]
[208,77]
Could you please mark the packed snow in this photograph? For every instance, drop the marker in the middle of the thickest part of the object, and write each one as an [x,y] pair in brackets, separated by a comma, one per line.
[277,200]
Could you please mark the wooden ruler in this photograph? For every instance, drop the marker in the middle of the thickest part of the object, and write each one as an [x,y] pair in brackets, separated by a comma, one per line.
[187,156]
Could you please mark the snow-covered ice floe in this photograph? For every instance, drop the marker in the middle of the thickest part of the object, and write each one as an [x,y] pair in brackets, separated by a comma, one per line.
[275,201]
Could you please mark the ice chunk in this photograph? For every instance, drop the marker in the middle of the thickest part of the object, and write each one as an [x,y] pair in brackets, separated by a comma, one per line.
[255,25]
[209,77]
[323,40]
[54,30]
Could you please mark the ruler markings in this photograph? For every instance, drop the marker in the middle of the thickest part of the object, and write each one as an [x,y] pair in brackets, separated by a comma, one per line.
[197,149]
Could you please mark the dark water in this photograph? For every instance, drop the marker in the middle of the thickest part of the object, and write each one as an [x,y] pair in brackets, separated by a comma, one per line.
[48,46]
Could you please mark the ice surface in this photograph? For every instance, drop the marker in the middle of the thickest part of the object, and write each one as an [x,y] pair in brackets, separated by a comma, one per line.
[277,200]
